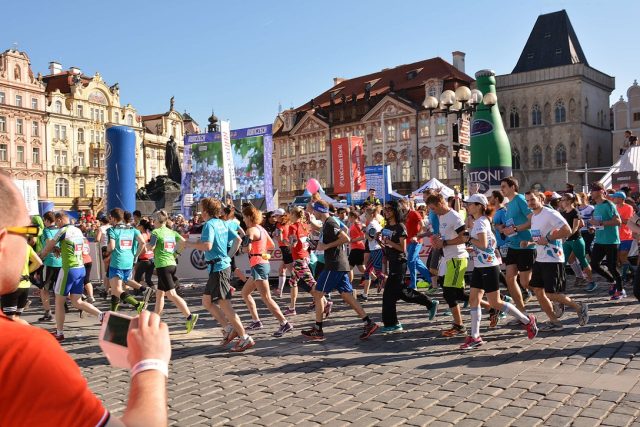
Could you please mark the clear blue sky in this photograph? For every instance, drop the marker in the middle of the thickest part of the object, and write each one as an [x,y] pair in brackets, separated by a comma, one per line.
[243,58]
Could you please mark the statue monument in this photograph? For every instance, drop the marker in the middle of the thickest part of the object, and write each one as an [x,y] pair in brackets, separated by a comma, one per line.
[172,161]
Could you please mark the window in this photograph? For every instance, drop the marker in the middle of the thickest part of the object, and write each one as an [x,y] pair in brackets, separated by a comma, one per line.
[101,160]
[283,150]
[100,188]
[35,156]
[3,124]
[514,118]
[2,98]
[93,115]
[19,126]
[536,155]
[80,110]
[561,155]
[101,116]
[62,187]
[63,132]
[34,103]
[57,107]
[56,157]
[536,115]
[81,159]
[82,188]
[292,149]
[63,157]
[130,119]
[283,182]
[38,188]
[313,144]
[35,129]
[561,112]
[93,135]
[80,135]
[405,132]
[406,171]
[95,160]
[323,144]
[18,100]
[425,169]
[377,134]
[303,145]
[3,152]
[56,131]
[432,91]
[442,168]
[441,125]
[20,153]
[515,159]
[423,126]
[391,133]
[636,117]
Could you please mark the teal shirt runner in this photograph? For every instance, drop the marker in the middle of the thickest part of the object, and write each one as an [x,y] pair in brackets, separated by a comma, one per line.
[124,237]
[215,230]
[608,234]
[517,213]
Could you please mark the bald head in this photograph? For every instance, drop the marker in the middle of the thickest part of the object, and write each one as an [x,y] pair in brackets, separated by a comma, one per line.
[12,246]
[14,207]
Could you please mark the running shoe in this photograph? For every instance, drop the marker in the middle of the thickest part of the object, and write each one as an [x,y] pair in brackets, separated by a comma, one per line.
[146,296]
[558,309]
[433,309]
[228,336]
[45,318]
[619,295]
[447,313]
[532,327]
[471,343]
[526,296]
[363,297]
[591,286]
[327,309]
[313,334]
[243,344]
[254,325]
[58,337]
[394,328]
[140,307]
[551,327]
[91,300]
[283,329]
[455,330]
[432,290]
[368,329]
[494,318]
[290,311]
[583,314]
[192,322]
[612,289]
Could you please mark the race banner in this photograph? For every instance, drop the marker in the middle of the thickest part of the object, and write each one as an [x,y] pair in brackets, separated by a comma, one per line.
[341,166]
[227,158]
[358,175]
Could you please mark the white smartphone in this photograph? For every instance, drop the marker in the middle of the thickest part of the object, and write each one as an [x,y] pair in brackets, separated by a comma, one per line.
[113,339]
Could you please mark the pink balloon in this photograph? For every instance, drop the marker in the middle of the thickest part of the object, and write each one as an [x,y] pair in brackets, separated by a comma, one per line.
[313,186]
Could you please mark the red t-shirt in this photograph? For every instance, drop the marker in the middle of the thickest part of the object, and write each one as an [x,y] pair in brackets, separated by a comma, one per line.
[281,234]
[626,212]
[355,232]
[41,384]
[414,224]
[300,234]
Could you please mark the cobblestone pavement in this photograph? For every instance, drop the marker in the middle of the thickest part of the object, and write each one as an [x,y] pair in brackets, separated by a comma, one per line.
[581,376]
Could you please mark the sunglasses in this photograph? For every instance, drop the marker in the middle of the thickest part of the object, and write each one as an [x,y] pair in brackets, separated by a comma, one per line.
[25,231]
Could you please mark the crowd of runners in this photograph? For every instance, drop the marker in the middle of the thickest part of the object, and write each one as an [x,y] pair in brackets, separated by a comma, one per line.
[495,253]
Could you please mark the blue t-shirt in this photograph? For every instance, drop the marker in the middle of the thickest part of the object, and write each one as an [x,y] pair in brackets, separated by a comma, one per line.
[216,231]
[123,254]
[51,260]
[608,234]
[518,212]
[232,225]
[435,222]
[499,218]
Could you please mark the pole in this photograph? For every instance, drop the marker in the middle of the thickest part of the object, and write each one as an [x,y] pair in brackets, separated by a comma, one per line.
[566,173]
[384,159]
[586,177]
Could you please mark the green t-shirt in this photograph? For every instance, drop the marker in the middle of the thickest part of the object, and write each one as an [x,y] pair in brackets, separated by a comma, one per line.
[608,234]
[165,242]
[123,254]
[50,260]
[71,242]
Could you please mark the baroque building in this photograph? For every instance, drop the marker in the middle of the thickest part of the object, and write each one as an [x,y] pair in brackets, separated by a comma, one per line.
[555,108]
[22,120]
[80,108]
[416,145]
[626,117]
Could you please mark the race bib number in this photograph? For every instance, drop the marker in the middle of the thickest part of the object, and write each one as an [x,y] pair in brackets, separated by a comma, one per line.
[126,244]
[77,248]
[305,243]
[170,246]
[86,250]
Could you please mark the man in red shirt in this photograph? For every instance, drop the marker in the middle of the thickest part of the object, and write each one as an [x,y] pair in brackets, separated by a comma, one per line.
[41,384]
[626,237]
[415,227]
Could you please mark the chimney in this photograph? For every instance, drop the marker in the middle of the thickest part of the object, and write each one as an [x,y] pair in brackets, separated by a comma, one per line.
[338,80]
[75,70]
[55,67]
[458,60]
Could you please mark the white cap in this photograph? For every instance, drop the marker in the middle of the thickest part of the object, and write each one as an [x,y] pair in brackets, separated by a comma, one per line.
[555,196]
[278,212]
[478,198]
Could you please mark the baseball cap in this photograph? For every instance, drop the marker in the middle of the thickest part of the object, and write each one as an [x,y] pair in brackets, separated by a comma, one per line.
[278,212]
[555,196]
[619,194]
[478,198]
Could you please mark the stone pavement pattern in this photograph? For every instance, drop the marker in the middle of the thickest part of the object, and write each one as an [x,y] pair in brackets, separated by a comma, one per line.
[582,376]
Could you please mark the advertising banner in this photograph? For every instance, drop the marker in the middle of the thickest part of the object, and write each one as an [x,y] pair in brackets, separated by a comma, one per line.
[379,178]
[251,155]
[227,158]
[29,190]
[358,175]
[341,166]
[625,179]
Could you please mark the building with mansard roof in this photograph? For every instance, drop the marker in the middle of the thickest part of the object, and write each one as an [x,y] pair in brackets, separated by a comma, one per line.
[417,146]
[626,117]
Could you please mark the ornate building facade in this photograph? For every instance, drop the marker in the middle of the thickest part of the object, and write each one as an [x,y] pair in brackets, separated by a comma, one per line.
[416,145]
[22,120]
[626,117]
[80,109]
[555,108]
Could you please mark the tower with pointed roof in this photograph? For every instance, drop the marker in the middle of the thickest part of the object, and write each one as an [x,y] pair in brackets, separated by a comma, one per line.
[555,108]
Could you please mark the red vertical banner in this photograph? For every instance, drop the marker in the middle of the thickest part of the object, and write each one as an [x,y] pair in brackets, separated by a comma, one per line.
[357,164]
[341,162]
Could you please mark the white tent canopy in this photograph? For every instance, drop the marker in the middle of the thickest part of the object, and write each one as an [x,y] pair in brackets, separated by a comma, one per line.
[434,184]
[629,161]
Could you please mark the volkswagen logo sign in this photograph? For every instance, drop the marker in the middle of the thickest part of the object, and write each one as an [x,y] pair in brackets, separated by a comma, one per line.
[197,260]
[107,150]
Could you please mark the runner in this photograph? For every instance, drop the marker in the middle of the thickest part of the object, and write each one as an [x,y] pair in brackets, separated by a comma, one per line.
[435,255]
[13,304]
[414,246]
[214,241]
[486,274]
[298,236]
[374,263]
[101,238]
[88,263]
[144,267]
[52,264]
[70,281]
[625,211]
[335,274]
[258,246]
[574,245]
[166,244]
[281,235]
[356,254]
[548,281]
[394,238]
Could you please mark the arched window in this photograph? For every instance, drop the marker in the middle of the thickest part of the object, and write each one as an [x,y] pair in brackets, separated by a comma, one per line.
[561,112]
[130,120]
[62,187]
[561,155]
[536,155]
[58,107]
[82,188]
[536,115]
[391,132]
[442,167]
[514,118]
[100,187]
[515,159]
[80,135]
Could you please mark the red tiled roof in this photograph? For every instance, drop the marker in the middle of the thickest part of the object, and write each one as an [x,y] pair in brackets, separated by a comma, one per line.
[152,117]
[62,81]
